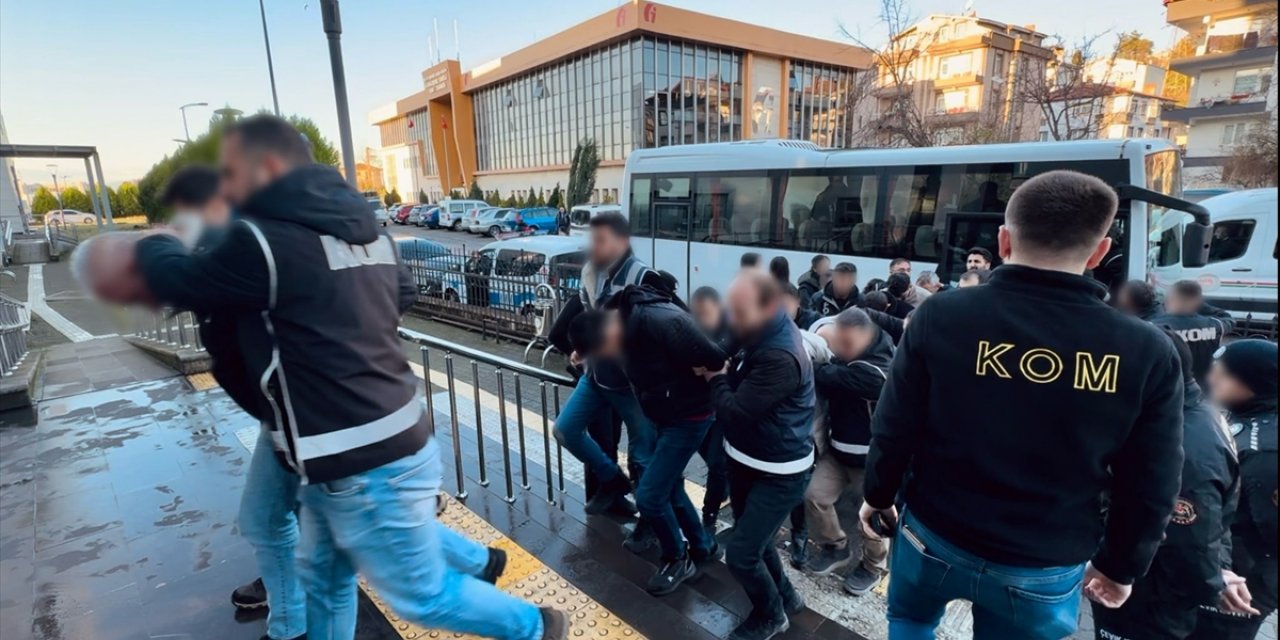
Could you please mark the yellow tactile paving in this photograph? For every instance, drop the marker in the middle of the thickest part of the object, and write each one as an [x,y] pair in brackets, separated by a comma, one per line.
[526,578]
[202,381]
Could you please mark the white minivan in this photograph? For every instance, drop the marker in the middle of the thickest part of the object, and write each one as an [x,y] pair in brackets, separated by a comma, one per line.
[581,215]
[511,270]
[453,212]
[1241,274]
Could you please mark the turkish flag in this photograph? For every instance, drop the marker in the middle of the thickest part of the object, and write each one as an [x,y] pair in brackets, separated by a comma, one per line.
[410,124]
[444,124]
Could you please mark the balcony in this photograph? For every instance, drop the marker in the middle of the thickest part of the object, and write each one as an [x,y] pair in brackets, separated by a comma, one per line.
[891,89]
[1223,109]
[1260,55]
[958,80]
[954,116]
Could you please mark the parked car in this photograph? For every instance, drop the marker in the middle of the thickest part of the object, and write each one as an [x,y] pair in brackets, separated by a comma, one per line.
[69,216]
[532,221]
[381,216]
[510,271]
[469,220]
[453,211]
[581,215]
[485,222]
[401,213]
[431,264]
[415,215]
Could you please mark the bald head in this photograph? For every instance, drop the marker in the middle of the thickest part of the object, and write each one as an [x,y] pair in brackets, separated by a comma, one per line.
[106,267]
[752,301]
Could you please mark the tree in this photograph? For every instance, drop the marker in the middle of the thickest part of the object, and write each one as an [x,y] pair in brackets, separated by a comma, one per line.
[321,149]
[1253,163]
[556,199]
[1132,46]
[902,121]
[74,198]
[392,197]
[1073,95]
[530,198]
[1177,86]
[582,172]
[422,196]
[511,202]
[43,201]
[542,197]
[113,198]
[129,204]
[476,193]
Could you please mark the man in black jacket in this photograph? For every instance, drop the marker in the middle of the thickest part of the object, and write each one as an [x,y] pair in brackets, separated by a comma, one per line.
[840,293]
[1243,381]
[794,304]
[659,345]
[1187,572]
[813,280]
[851,384]
[1203,334]
[1138,298]
[1006,510]
[709,312]
[767,404]
[335,387]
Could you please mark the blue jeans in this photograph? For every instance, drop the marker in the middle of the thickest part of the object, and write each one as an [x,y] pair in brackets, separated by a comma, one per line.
[584,405]
[382,523]
[927,572]
[761,502]
[661,498]
[269,523]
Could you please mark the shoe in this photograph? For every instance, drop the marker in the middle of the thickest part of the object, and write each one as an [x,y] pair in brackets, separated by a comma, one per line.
[828,559]
[670,576]
[555,624]
[860,580]
[793,602]
[712,555]
[250,596]
[301,637]
[641,538]
[495,566]
[609,491]
[622,507]
[756,629]
[799,549]
[710,521]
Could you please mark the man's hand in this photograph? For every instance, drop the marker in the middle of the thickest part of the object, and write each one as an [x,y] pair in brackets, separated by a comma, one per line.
[868,513]
[1104,590]
[1236,597]
[708,374]
[108,268]
[575,359]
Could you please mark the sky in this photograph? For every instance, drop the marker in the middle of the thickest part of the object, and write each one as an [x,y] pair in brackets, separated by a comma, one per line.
[113,74]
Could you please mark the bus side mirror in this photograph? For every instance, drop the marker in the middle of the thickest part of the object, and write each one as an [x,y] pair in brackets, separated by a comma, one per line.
[1195,244]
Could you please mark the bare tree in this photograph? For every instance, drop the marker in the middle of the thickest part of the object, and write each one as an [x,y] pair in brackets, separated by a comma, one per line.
[1071,95]
[898,116]
[1253,163]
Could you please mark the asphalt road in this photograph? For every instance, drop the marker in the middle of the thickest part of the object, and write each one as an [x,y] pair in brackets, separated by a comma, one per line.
[459,239]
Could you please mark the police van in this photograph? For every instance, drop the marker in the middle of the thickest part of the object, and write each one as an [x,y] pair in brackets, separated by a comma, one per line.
[1241,272]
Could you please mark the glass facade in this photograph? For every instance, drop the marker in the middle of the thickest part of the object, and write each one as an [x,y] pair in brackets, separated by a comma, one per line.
[640,93]
[822,101]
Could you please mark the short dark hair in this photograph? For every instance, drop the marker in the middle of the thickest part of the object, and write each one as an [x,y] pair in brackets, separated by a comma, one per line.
[194,185]
[981,275]
[1187,289]
[1061,212]
[1140,292]
[613,221]
[874,284]
[705,294]
[986,255]
[897,261]
[852,317]
[878,300]
[265,133]
[845,267]
[898,284]
[780,268]
[586,331]
[749,259]
[817,260]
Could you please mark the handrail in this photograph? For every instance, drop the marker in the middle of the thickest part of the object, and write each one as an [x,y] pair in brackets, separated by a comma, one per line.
[485,357]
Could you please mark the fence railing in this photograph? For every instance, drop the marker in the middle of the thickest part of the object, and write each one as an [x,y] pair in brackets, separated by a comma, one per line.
[6,241]
[15,320]
[1266,326]
[175,329]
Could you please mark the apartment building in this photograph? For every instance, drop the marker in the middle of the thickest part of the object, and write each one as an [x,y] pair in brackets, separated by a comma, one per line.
[1231,68]
[1111,98]
[955,79]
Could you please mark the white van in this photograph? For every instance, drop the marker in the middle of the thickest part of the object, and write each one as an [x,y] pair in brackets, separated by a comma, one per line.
[1241,274]
[453,212]
[514,267]
[581,215]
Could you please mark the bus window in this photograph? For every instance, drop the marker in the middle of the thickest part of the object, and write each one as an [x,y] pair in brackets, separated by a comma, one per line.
[1164,226]
[906,229]
[671,208]
[641,223]
[732,210]
[820,211]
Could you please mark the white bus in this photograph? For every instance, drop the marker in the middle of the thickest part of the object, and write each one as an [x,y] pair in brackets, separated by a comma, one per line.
[695,209]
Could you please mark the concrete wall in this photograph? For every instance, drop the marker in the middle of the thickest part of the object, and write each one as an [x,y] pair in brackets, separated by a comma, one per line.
[521,181]
[9,203]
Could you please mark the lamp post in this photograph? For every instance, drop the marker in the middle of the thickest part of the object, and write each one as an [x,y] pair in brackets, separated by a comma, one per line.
[332,22]
[57,191]
[183,109]
[271,70]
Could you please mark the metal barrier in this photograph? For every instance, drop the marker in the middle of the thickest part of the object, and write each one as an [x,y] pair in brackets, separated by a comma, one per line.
[1267,327]
[498,367]
[172,328]
[15,320]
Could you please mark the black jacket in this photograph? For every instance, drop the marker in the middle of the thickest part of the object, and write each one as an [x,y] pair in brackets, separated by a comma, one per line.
[1253,533]
[1017,406]
[766,402]
[851,390]
[218,336]
[887,323]
[808,285]
[316,292]
[826,303]
[1203,335]
[663,344]
[806,317]
[899,308]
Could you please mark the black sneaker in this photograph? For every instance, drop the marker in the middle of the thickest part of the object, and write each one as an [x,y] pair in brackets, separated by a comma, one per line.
[250,596]
[670,576]
[607,493]
[793,602]
[555,624]
[495,566]
[622,507]
[714,554]
[301,637]
[754,628]
[710,522]
[860,580]
[641,538]
[828,559]
[799,549]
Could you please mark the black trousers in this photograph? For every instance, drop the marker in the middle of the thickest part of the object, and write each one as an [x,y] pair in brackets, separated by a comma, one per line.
[712,452]
[1143,618]
[761,502]
[606,430]
[1216,625]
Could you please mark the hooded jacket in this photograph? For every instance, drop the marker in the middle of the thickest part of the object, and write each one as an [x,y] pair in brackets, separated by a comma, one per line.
[316,292]
[851,390]
[826,303]
[662,345]
[809,284]
[597,288]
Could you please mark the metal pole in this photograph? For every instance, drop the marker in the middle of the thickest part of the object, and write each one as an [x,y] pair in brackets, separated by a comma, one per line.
[186,133]
[475,381]
[332,20]
[506,439]
[94,195]
[546,446]
[454,434]
[106,204]
[271,70]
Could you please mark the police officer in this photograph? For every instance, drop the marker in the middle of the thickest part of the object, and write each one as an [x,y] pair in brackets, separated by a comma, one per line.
[1003,506]
[1243,381]
[1187,570]
[1203,334]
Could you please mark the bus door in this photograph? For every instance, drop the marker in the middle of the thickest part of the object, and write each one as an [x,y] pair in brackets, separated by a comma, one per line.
[671,240]
[965,231]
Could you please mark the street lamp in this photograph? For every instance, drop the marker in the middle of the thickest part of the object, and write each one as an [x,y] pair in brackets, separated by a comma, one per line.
[183,110]
[57,191]
[332,22]
[271,71]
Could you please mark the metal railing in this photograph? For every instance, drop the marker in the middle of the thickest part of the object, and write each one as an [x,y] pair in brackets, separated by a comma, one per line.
[6,242]
[15,320]
[1266,327]
[176,329]
[500,369]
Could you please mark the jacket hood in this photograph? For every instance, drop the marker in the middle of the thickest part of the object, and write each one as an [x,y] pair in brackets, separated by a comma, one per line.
[315,196]
[880,351]
[637,295]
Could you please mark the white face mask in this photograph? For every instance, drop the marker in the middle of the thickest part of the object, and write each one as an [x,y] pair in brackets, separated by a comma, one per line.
[189,226]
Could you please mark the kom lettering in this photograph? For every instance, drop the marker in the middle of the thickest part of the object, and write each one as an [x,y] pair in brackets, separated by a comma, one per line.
[1099,373]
